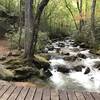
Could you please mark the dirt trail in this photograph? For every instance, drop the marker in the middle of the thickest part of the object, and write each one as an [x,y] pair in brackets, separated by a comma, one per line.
[4,46]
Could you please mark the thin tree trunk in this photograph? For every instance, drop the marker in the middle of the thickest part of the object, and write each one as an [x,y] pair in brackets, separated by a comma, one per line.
[20,26]
[71,14]
[86,6]
[36,23]
[93,6]
[79,7]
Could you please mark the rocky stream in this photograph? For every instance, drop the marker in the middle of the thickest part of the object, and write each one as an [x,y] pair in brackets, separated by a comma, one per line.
[73,66]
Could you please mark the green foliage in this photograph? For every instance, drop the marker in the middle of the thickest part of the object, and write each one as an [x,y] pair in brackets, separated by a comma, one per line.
[42,40]
[56,21]
[14,40]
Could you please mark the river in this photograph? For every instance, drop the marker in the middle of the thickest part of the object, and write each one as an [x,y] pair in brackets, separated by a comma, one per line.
[76,80]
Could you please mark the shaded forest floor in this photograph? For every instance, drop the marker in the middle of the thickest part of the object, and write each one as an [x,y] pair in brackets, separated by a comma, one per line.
[4,46]
[4,49]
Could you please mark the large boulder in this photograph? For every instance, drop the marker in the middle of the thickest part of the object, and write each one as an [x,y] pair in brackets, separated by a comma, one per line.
[41,62]
[6,74]
[24,73]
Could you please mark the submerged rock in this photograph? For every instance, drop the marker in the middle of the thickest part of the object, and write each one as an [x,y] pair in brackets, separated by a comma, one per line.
[87,71]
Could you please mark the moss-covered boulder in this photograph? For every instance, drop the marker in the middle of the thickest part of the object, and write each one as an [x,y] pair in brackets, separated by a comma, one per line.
[6,74]
[25,72]
[41,62]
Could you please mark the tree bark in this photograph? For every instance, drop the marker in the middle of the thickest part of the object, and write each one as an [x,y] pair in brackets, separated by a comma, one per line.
[28,28]
[36,23]
[32,26]
[93,6]
[79,7]
[71,14]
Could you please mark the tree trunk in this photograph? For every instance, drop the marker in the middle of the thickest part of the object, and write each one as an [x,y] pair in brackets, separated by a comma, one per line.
[79,7]
[93,20]
[32,26]
[28,28]
[20,25]
[71,14]
[36,22]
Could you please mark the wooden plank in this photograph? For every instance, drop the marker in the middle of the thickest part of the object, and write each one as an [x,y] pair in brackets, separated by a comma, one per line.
[79,96]
[8,93]
[63,95]
[71,95]
[1,86]
[46,94]
[30,94]
[96,96]
[23,94]
[88,96]
[3,90]
[38,94]
[54,94]
[15,93]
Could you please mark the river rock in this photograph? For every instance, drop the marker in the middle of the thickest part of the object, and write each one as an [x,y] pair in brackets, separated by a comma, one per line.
[61,44]
[50,47]
[45,74]
[70,58]
[97,65]
[82,55]
[63,69]
[75,45]
[87,71]
[82,45]
[45,50]
[58,49]
[78,68]
[65,53]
